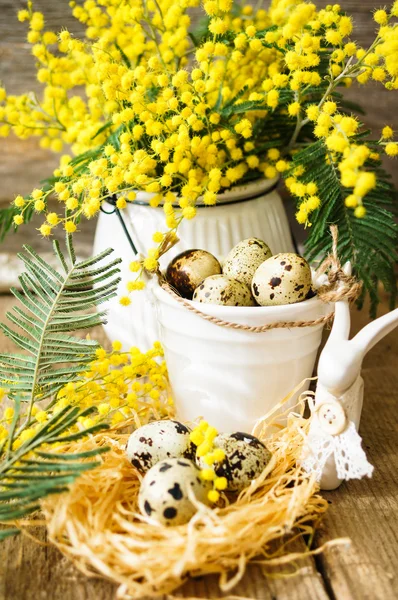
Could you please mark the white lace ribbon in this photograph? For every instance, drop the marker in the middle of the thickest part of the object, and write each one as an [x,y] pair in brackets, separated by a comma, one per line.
[333,435]
[351,461]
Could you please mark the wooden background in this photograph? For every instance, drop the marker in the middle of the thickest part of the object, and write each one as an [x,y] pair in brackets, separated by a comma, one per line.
[23,163]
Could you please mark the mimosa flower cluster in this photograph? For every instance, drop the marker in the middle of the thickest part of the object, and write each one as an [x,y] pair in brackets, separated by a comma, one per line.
[121,385]
[203,437]
[185,117]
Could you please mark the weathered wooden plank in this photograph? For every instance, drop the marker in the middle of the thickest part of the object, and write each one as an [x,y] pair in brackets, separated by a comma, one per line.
[32,571]
[29,571]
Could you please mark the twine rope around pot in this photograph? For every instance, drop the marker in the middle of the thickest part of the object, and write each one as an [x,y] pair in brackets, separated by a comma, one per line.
[341,286]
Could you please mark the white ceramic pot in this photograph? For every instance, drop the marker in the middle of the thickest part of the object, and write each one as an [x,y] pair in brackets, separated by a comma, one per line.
[233,377]
[255,209]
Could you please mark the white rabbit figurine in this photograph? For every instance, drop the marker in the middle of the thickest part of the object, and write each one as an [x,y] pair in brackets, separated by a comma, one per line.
[333,449]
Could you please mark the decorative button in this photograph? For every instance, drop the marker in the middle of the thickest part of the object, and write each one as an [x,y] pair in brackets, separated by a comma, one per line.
[332,418]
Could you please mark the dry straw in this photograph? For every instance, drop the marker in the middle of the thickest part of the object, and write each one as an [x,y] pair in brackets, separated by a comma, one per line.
[97,524]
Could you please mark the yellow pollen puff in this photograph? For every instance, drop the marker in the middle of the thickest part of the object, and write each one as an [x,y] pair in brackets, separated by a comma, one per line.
[294,109]
[251,31]
[124,301]
[41,416]
[45,230]
[189,212]
[103,409]
[19,202]
[349,125]
[203,448]
[366,182]
[209,459]
[196,437]
[70,227]
[387,132]
[379,74]
[273,98]
[36,194]
[211,433]
[221,483]
[23,15]
[281,166]
[313,202]
[53,219]
[213,496]
[351,201]
[392,149]
[219,454]
[273,153]
[270,172]
[312,188]
[329,107]
[150,264]
[207,474]
[121,202]
[9,413]
[72,203]
[18,220]
[381,17]
[312,112]
[336,142]
[360,212]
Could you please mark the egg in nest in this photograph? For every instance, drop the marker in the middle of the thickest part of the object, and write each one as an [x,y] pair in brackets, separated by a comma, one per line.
[165,493]
[244,258]
[245,459]
[157,441]
[222,290]
[284,278]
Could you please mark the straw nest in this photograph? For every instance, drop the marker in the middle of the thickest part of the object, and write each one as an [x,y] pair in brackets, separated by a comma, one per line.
[98,526]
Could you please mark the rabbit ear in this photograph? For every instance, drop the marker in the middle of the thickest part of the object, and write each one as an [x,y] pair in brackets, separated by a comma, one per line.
[342,319]
[375,331]
[342,322]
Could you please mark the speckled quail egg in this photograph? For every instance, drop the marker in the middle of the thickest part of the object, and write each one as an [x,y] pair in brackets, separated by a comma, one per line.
[282,279]
[166,488]
[187,270]
[157,441]
[221,289]
[244,258]
[245,459]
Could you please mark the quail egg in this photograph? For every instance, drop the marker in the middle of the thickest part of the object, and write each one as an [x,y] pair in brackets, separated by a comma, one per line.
[187,270]
[244,258]
[221,289]
[157,441]
[166,488]
[245,459]
[282,279]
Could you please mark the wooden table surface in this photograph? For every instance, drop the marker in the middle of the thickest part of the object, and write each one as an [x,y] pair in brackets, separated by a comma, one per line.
[365,511]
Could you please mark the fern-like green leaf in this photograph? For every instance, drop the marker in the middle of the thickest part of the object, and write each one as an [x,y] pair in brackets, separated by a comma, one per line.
[52,305]
[28,473]
[370,243]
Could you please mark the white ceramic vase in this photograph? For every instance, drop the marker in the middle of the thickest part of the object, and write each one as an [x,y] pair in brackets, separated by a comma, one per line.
[233,377]
[255,209]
